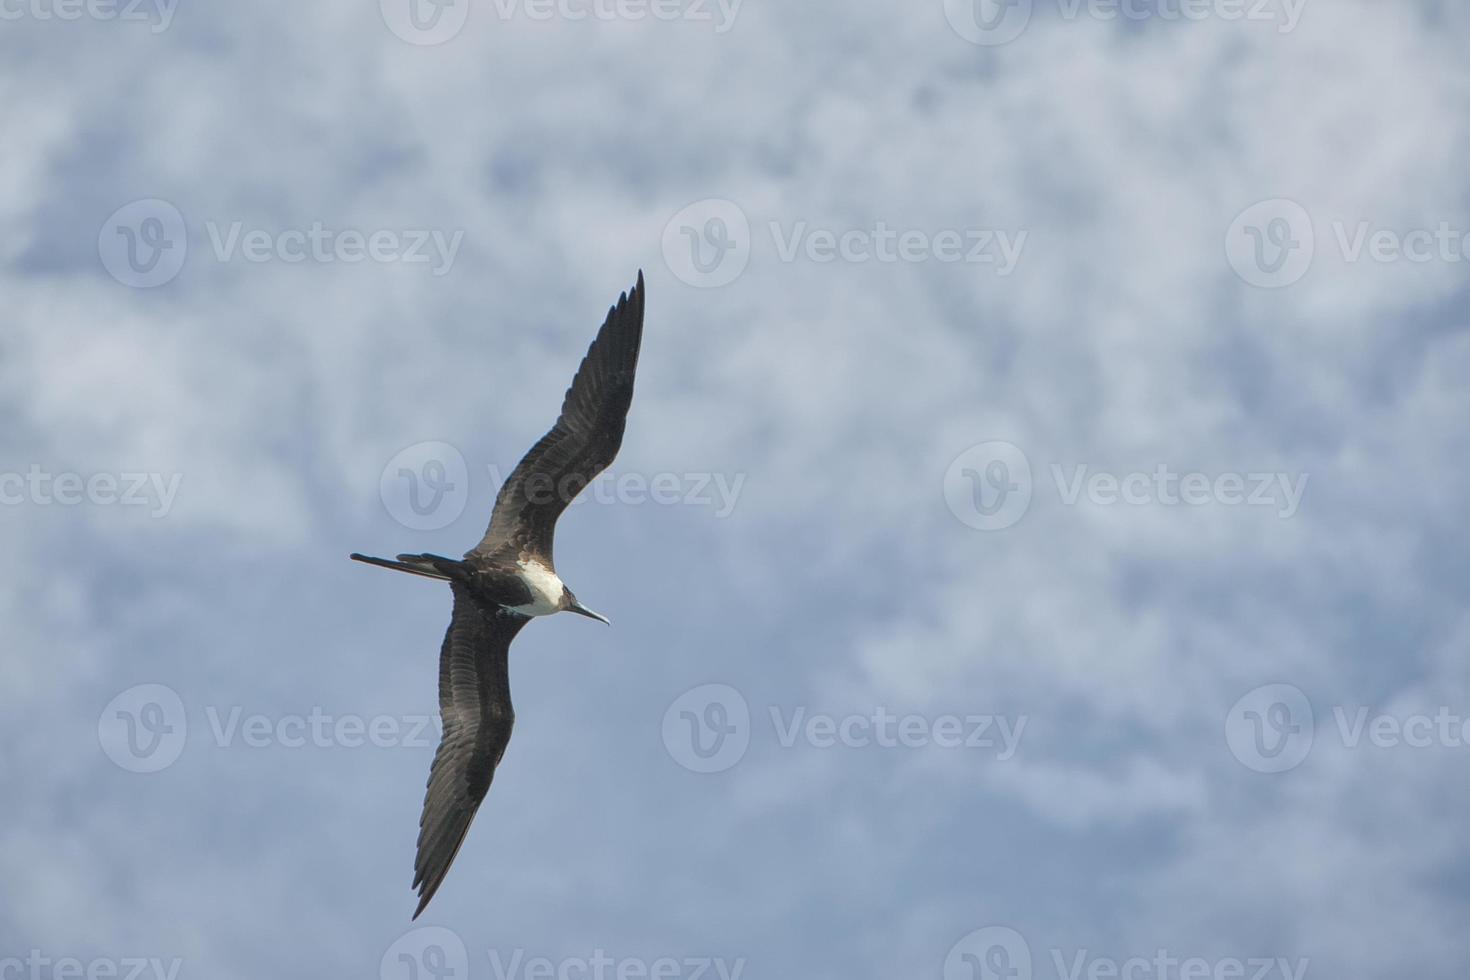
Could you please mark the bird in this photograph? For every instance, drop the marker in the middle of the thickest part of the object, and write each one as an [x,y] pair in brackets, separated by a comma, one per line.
[508,579]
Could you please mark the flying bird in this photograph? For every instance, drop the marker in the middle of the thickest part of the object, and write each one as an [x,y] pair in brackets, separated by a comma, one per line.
[508,578]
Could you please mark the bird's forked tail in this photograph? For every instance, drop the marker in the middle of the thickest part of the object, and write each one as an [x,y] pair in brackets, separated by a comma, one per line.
[429,566]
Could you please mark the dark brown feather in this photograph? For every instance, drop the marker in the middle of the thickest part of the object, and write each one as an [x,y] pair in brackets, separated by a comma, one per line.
[579,446]
[474,700]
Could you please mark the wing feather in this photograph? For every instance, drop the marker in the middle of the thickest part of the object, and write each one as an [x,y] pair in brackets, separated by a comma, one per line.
[474,700]
[579,446]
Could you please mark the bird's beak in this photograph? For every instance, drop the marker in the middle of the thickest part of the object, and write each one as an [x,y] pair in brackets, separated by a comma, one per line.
[582,610]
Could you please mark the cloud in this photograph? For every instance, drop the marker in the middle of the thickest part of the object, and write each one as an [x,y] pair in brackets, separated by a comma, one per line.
[841,392]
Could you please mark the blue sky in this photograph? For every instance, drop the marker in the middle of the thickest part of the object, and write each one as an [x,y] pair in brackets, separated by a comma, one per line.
[1036,551]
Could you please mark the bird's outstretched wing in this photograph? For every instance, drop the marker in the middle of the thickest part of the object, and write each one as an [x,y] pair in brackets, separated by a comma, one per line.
[579,446]
[474,699]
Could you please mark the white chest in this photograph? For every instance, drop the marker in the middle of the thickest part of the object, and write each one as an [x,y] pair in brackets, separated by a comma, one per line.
[545,587]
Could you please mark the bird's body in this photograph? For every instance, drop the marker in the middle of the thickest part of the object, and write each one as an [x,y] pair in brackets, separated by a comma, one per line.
[510,578]
[544,586]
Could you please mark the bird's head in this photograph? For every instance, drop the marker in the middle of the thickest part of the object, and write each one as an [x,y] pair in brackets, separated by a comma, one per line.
[570,604]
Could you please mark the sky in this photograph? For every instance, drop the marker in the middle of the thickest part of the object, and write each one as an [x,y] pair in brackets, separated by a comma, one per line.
[1036,549]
